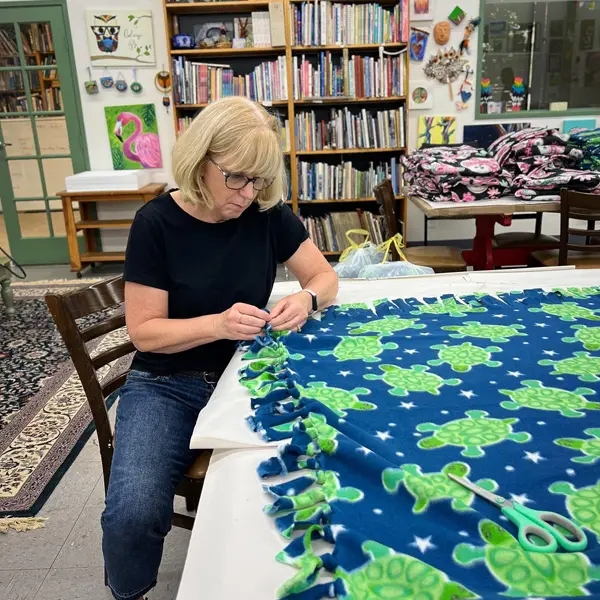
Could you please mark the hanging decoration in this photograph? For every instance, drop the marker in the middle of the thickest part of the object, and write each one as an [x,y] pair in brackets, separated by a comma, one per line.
[457,15]
[441,33]
[517,94]
[136,86]
[91,86]
[120,82]
[486,94]
[418,43]
[472,25]
[162,81]
[445,67]
[465,91]
[106,81]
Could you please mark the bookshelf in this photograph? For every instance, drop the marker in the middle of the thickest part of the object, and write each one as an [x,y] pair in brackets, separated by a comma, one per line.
[380,89]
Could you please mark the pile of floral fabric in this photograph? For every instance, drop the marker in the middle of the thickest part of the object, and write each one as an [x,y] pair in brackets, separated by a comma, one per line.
[531,164]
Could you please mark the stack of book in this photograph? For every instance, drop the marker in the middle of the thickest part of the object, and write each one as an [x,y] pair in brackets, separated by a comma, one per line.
[261,30]
[37,38]
[354,77]
[329,231]
[53,98]
[200,83]
[321,181]
[326,23]
[381,129]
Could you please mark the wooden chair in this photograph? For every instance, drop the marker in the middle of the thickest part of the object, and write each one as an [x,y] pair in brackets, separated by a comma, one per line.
[518,239]
[65,309]
[442,259]
[574,205]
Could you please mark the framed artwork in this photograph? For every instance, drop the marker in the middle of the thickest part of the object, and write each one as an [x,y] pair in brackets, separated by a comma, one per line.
[420,97]
[587,30]
[481,136]
[570,125]
[436,130]
[133,136]
[418,44]
[422,10]
[121,38]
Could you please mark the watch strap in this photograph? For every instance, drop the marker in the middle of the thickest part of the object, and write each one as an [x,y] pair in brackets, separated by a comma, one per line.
[315,301]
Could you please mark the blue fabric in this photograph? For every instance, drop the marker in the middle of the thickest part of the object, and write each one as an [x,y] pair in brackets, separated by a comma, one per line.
[156,415]
[382,404]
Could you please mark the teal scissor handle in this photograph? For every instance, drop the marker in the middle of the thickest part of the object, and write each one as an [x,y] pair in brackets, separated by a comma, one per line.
[542,525]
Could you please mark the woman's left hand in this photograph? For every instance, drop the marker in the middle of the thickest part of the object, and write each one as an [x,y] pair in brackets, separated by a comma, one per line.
[291,312]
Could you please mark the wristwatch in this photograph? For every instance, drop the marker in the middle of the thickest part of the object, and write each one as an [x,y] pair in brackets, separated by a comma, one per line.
[315,301]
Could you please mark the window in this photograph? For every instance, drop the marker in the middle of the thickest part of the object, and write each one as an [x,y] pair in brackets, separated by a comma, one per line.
[540,55]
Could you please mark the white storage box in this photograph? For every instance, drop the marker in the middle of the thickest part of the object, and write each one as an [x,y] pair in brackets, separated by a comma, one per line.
[108,181]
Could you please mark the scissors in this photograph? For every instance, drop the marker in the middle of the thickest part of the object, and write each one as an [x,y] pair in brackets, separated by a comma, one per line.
[536,524]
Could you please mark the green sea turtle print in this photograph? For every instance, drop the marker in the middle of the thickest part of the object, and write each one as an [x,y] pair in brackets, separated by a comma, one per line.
[366,348]
[328,489]
[590,447]
[567,311]
[494,333]
[588,336]
[448,306]
[535,395]
[389,575]
[336,399]
[527,573]
[342,308]
[581,293]
[465,356]
[415,379]
[260,386]
[426,487]
[275,354]
[323,435]
[583,504]
[581,363]
[389,325]
[474,432]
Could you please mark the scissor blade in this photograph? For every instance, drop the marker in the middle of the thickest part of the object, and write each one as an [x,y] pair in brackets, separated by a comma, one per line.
[489,496]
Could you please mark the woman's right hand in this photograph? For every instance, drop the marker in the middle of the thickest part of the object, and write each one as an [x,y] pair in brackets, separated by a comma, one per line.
[241,322]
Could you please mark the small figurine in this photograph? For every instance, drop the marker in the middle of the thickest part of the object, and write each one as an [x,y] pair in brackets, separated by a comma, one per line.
[464,45]
[517,94]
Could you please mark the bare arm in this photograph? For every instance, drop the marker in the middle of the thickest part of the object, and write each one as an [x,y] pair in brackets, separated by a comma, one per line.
[150,329]
[314,273]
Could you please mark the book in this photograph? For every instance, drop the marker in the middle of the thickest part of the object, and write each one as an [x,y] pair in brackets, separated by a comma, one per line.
[277,24]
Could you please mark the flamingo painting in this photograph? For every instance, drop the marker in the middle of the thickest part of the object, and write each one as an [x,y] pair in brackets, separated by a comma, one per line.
[139,146]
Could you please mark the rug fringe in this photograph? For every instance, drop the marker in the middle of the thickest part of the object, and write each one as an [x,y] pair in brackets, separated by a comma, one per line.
[21,523]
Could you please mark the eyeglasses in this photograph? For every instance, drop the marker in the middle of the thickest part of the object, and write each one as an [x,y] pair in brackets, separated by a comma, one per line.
[235,181]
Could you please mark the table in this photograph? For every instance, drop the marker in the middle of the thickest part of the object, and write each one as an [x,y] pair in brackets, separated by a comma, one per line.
[486,214]
[231,534]
[89,225]
[5,282]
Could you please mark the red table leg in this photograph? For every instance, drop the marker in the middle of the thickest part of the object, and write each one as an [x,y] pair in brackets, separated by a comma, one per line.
[482,255]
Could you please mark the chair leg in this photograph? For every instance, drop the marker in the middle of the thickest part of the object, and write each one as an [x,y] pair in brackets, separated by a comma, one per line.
[190,504]
[105,577]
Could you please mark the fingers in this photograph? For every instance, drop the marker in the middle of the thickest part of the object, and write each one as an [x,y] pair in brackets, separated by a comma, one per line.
[248,309]
[251,321]
[284,317]
[293,324]
[278,308]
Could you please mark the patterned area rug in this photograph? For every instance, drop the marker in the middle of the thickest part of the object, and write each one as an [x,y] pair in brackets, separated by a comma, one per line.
[44,415]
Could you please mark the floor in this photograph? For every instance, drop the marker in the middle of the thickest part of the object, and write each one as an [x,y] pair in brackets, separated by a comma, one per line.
[63,561]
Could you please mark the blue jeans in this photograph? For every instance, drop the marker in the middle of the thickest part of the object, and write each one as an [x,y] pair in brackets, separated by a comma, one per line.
[155,420]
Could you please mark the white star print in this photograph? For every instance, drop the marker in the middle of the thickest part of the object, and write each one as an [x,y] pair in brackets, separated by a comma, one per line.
[345,373]
[400,454]
[541,422]
[392,424]
[493,382]
[521,499]
[534,457]
[336,530]
[384,435]
[509,468]
[570,472]
[463,533]
[377,511]
[325,329]
[516,358]
[312,375]
[445,412]
[549,352]
[515,373]
[364,450]
[411,351]
[407,405]
[423,544]
[417,434]
[425,333]
[499,316]
[541,325]
[310,337]
[468,394]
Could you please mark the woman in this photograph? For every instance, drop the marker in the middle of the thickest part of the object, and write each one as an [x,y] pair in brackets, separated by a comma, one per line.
[199,269]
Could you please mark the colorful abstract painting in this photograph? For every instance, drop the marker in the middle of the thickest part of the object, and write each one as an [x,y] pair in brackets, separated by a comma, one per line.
[133,135]
[436,130]
[378,405]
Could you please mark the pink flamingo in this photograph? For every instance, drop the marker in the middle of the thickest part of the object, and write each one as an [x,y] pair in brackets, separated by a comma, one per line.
[147,145]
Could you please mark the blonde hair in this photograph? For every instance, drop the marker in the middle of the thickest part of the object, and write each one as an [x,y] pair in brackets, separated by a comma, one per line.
[240,132]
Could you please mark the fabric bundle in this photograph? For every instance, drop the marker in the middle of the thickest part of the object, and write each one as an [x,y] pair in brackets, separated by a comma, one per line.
[380,404]
[460,174]
[589,143]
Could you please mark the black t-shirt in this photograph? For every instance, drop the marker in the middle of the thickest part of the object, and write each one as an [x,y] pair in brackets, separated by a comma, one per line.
[206,268]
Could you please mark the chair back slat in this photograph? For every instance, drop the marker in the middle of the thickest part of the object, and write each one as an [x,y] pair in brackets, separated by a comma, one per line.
[577,205]
[65,309]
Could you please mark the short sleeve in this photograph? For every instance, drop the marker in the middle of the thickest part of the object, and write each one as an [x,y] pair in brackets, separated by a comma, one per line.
[145,261]
[289,232]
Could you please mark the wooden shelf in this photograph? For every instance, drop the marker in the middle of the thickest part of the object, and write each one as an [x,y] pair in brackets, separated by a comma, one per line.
[347,100]
[102,257]
[341,201]
[327,253]
[382,2]
[105,224]
[349,151]
[217,7]
[227,51]
[337,47]
[197,106]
